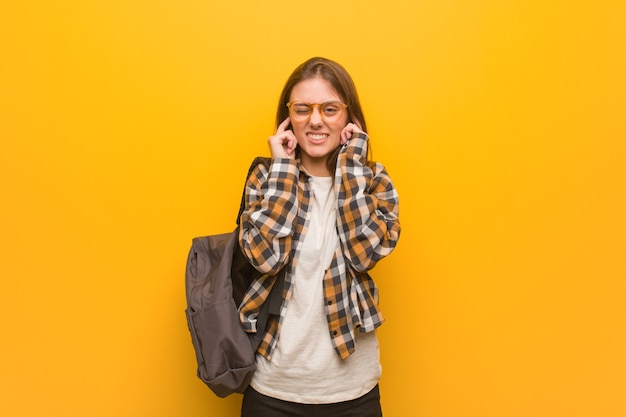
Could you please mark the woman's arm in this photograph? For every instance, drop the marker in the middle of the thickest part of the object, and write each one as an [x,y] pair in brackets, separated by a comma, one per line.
[267,223]
[367,206]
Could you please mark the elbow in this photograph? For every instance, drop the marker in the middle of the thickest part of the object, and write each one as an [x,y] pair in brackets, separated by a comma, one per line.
[363,255]
[266,258]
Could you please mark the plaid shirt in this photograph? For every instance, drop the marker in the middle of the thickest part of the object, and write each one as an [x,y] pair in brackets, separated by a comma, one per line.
[273,224]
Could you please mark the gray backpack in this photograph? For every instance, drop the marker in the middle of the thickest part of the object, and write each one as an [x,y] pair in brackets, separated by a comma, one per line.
[216,279]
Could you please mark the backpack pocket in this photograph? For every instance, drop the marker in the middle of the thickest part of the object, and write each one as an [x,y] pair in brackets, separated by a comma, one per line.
[226,361]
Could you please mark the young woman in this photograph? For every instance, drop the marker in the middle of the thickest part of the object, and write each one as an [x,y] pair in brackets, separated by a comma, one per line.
[325,215]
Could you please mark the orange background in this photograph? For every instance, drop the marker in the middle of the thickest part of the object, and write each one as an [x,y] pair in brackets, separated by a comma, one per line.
[126,129]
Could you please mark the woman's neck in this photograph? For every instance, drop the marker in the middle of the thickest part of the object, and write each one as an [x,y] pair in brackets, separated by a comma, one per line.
[316,166]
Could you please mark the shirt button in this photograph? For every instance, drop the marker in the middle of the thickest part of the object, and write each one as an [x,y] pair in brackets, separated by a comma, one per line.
[335,333]
[330,303]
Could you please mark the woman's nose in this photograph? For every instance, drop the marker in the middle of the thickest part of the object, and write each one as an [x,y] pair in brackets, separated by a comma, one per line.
[316,116]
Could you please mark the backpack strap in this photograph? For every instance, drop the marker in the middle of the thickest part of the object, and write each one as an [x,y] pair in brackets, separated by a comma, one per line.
[243,274]
[259,160]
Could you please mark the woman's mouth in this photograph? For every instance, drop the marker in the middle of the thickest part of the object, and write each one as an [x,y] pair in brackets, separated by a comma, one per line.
[317,136]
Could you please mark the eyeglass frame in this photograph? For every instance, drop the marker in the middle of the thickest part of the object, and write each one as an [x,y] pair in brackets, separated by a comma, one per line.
[319,107]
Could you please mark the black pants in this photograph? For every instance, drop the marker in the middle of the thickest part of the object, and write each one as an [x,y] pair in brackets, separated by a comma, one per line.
[258,405]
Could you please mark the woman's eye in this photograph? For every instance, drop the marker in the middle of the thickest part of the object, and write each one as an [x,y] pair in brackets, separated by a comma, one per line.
[302,109]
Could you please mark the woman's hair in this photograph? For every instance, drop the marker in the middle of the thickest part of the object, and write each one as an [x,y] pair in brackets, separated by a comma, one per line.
[340,81]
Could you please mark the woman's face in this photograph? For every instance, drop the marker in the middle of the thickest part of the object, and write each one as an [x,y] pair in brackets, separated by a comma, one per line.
[317,136]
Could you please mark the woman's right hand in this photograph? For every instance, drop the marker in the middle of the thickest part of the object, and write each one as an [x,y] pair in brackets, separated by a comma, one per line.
[283,144]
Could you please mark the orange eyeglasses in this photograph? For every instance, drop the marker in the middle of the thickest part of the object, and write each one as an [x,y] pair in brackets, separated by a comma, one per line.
[330,111]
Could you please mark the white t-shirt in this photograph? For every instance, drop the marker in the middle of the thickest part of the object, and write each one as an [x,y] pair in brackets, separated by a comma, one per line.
[305,368]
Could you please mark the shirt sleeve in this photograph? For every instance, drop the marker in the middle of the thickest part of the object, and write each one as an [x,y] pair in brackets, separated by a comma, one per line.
[268,220]
[369,227]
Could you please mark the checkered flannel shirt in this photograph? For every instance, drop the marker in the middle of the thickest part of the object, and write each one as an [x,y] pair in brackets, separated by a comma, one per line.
[275,219]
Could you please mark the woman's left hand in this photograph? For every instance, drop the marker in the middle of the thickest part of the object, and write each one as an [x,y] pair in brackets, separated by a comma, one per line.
[349,131]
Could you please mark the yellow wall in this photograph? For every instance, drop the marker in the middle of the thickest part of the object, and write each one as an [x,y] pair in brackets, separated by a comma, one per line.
[126,127]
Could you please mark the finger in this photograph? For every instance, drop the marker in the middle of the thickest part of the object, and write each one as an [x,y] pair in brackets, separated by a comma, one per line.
[350,131]
[283,126]
[291,142]
[284,141]
[346,134]
[356,128]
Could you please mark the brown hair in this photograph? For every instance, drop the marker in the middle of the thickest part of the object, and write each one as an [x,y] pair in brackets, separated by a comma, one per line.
[340,81]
